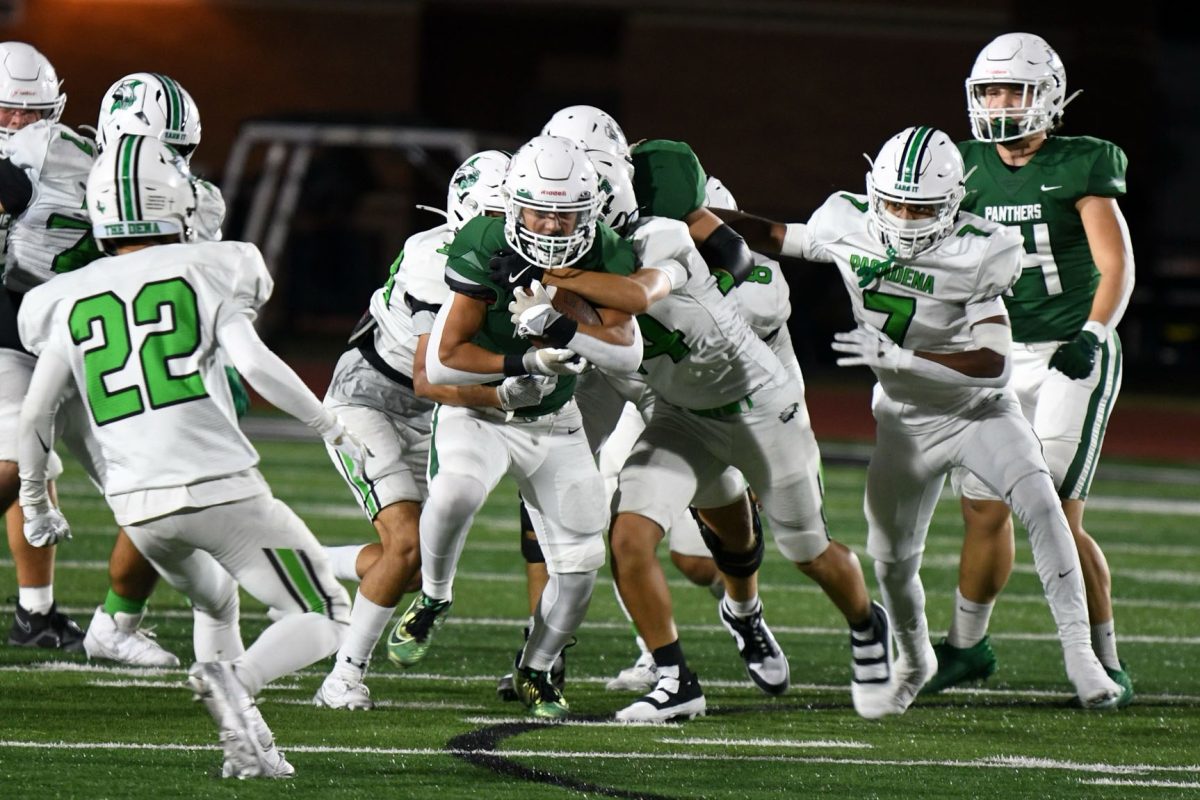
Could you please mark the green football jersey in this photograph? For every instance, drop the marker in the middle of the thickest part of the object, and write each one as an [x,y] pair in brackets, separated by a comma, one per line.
[467,260]
[1051,300]
[668,180]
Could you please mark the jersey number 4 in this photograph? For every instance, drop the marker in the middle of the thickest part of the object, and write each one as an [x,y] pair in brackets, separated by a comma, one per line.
[114,348]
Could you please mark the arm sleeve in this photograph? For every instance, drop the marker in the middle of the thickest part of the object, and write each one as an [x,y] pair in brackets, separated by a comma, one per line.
[49,383]
[271,377]
[609,357]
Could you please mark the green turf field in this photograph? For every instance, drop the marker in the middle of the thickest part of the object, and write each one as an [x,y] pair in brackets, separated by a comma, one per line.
[70,729]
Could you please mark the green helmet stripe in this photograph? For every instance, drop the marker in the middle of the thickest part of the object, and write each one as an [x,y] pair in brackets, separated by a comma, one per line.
[174,103]
[910,159]
[126,177]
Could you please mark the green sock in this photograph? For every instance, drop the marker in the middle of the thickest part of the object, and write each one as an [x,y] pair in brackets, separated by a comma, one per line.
[114,603]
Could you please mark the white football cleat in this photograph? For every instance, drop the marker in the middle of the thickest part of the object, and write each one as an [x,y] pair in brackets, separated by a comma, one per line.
[339,692]
[672,698]
[641,677]
[118,638]
[247,742]
[1093,687]
[911,673]
[871,685]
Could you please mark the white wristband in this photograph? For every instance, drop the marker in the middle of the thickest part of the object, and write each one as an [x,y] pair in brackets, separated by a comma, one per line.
[1097,329]
[793,240]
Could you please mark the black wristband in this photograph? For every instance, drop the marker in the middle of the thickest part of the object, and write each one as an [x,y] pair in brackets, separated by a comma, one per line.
[561,331]
[725,249]
[514,364]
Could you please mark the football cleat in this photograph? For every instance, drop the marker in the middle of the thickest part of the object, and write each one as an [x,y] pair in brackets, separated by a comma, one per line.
[1122,679]
[871,687]
[641,677]
[413,633]
[1094,689]
[677,695]
[506,689]
[116,637]
[538,693]
[51,630]
[956,665]
[246,740]
[340,692]
[766,664]
[910,673]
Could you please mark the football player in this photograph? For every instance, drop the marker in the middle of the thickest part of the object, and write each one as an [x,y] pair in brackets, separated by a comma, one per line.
[925,284]
[380,386]
[552,204]
[725,407]
[43,169]
[178,473]
[1060,193]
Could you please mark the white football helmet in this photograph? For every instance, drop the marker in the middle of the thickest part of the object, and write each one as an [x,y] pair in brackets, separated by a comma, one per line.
[140,187]
[593,129]
[921,167]
[28,80]
[475,187]
[550,174]
[1026,60]
[618,206]
[149,104]
[717,196]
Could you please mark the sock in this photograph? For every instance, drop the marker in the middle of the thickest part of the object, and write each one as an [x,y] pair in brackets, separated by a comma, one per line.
[743,608]
[116,604]
[367,621]
[904,597]
[671,655]
[560,611]
[295,642]
[343,560]
[969,623]
[36,599]
[1104,642]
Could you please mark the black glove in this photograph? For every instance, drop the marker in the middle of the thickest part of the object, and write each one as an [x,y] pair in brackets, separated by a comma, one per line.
[1076,358]
[509,270]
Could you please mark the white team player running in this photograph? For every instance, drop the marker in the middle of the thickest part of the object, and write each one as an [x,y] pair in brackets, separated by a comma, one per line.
[925,283]
[137,337]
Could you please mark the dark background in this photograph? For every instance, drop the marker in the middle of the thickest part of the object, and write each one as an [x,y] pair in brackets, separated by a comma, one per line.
[779,98]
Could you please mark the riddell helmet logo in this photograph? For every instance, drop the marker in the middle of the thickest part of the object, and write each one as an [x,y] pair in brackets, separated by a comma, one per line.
[554,192]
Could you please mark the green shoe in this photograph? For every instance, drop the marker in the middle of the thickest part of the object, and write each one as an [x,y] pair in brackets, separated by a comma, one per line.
[412,635]
[1122,679]
[539,694]
[958,665]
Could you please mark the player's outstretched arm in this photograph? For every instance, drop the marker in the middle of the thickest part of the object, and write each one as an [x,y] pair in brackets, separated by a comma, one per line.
[760,234]
[632,295]
[986,365]
[44,525]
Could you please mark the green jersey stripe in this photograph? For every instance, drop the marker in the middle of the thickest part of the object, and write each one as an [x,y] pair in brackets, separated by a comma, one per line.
[301,581]
[365,489]
[1078,479]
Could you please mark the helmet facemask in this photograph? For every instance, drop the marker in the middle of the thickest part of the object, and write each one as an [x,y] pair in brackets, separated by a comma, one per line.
[919,167]
[1020,61]
[551,175]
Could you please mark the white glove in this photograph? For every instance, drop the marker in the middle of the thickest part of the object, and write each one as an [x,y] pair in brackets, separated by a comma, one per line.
[553,361]
[536,319]
[523,391]
[536,295]
[868,346]
[350,446]
[45,525]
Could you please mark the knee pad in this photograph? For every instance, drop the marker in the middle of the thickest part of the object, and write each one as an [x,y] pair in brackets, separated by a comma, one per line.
[800,546]
[735,565]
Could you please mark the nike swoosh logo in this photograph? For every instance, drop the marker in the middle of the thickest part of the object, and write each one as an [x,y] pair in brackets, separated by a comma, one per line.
[516,276]
[572,431]
[23,625]
[1065,574]
[42,442]
[1046,188]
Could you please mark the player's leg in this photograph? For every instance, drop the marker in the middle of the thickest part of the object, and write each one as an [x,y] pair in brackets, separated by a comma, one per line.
[536,578]
[390,493]
[1002,450]
[1070,420]
[657,481]
[468,457]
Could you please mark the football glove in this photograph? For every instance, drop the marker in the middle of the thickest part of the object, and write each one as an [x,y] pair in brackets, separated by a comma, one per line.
[510,270]
[1076,358]
[523,391]
[535,295]
[869,346]
[45,525]
[553,361]
[350,446]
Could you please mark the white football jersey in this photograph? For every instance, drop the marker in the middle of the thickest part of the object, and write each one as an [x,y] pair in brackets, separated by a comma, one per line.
[53,234]
[138,331]
[417,277]
[699,352]
[764,297]
[922,304]
[210,211]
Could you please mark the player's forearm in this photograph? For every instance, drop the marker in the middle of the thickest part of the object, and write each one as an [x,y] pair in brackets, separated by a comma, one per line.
[762,235]
[604,289]
[621,356]
[36,437]
[475,396]
[971,367]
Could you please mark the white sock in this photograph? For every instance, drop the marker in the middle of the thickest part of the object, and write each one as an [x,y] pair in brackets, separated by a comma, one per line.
[36,599]
[344,560]
[295,642]
[367,621]
[1104,643]
[743,608]
[970,622]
